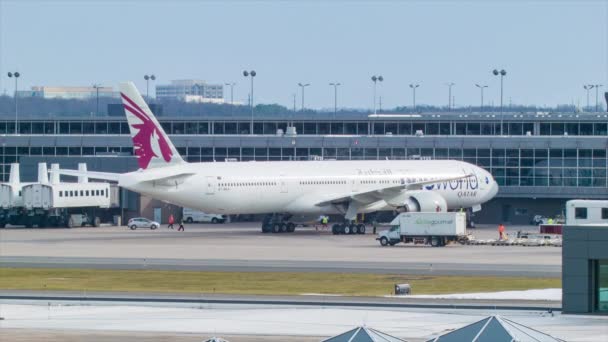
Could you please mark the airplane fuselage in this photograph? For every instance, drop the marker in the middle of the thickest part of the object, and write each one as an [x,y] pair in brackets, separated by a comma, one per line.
[299,186]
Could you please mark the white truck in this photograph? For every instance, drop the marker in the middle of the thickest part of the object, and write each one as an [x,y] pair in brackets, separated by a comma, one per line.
[435,229]
[192,215]
[587,212]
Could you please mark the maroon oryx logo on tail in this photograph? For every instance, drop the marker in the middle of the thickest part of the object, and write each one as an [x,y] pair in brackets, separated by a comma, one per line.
[147,130]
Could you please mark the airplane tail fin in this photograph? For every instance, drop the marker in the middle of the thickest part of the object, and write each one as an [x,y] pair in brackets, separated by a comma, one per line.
[150,142]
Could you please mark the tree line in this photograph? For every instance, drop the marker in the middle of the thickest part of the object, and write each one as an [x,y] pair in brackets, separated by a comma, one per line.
[36,107]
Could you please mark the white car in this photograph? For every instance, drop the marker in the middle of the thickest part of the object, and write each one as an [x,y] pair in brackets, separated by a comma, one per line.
[191,215]
[142,222]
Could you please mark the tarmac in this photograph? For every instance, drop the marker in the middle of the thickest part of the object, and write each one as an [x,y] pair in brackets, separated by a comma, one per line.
[242,247]
[155,322]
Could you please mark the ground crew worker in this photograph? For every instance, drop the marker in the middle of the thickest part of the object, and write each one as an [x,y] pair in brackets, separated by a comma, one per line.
[181,226]
[171,221]
[324,221]
[501,231]
[550,220]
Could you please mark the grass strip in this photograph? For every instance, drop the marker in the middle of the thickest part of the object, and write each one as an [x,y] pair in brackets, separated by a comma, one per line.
[262,283]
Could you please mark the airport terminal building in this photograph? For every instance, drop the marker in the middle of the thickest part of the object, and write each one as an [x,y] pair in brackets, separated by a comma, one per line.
[539,160]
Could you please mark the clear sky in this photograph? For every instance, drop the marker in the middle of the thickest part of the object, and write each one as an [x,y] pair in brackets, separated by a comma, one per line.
[549,48]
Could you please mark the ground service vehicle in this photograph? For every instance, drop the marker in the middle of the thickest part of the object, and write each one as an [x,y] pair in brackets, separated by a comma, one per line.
[586,212]
[142,222]
[436,229]
[192,215]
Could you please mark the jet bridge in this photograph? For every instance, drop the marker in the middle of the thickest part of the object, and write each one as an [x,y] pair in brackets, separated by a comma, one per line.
[52,202]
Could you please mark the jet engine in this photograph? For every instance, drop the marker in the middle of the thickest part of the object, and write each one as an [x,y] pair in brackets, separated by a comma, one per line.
[427,201]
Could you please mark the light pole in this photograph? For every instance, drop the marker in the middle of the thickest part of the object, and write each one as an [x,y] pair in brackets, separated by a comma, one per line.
[251,74]
[376,79]
[16,74]
[502,74]
[588,87]
[481,88]
[335,85]
[148,78]
[303,86]
[231,85]
[597,86]
[450,84]
[414,86]
[96,87]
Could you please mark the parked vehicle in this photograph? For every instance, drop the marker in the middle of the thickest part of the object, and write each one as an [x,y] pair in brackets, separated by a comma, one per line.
[142,222]
[81,220]
[435,229]
[191,215]
[586,212]
[538,219]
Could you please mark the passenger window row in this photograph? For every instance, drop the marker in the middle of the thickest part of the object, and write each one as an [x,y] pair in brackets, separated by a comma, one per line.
[249,184]
[324,182]
[330,182]
[83,193]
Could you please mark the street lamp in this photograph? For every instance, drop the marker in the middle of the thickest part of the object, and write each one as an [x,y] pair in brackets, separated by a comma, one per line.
[303,86]
[450,84]
[16,74]
[251,74]
[597,86]
[414,86]
[588,87]
[96,87]
[231,85]
[502,74]
[481,88]
[335,85]
[376,79]
[148,78]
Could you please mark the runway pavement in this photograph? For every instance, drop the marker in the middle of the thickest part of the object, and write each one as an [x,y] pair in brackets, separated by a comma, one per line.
[89,318]
[227,265]
[24,296]
[241,247]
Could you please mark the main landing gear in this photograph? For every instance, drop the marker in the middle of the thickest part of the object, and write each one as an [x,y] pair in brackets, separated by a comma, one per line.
[348,228]
[277,223]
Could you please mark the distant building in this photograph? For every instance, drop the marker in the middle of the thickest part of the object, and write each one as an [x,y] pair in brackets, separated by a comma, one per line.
[191,91]
[80,93]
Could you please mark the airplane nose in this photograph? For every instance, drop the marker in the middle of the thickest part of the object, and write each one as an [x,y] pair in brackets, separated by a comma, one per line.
[493,188]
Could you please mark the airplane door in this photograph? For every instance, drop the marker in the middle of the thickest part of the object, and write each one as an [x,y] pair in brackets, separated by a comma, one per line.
[283,186]
[355,185]
[211,181]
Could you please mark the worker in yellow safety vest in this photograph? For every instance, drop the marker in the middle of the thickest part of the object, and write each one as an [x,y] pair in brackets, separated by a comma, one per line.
[324,221]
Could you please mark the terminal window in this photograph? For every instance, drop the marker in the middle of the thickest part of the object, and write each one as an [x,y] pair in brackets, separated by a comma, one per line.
[602,286]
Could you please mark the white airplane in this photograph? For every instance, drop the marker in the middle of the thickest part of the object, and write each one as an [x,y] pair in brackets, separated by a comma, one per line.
[291,188]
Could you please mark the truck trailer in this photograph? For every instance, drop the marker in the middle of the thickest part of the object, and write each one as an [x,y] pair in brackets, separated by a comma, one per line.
[433,228]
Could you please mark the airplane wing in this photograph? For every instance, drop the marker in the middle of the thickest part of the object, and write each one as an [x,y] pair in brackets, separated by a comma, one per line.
[169,181]
[371,196]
